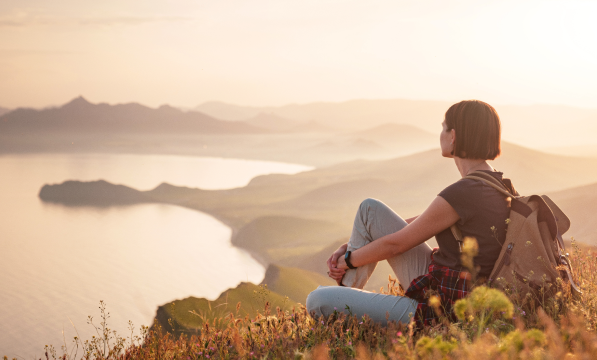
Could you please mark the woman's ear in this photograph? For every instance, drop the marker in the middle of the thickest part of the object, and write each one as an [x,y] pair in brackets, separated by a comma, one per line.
[453,135]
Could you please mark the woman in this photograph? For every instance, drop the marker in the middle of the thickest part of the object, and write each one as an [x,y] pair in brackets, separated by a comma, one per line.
[470,136]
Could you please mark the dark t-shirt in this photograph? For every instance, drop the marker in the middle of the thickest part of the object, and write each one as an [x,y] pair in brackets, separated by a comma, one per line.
[480,208]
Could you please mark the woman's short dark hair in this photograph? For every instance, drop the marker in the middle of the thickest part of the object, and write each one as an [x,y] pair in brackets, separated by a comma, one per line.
[478,130]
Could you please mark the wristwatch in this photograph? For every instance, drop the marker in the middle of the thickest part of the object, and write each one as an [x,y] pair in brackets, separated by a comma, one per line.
[347,260]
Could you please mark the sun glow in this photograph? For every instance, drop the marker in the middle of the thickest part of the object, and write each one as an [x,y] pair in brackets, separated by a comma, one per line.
[271,53]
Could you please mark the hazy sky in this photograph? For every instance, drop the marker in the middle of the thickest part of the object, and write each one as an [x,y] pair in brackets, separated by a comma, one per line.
[260,52]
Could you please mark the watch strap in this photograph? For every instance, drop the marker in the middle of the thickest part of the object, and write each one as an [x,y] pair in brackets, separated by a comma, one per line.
[347,260]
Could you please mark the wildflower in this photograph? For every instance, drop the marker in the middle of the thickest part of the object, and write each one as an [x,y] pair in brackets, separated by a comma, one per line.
[350,343]
[361,323]
[399,333]
[335,308]
[470,249]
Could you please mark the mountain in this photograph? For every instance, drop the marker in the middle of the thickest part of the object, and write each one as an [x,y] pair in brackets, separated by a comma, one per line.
[538,126]
[3,110]
[352,114]
[81,116]
[230,112]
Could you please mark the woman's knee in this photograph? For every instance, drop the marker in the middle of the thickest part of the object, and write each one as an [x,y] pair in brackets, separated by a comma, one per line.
[370,203]
[314,301]
[318,301]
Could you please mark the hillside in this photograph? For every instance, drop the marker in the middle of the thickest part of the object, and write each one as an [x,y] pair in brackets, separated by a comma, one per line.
[96,193]
[280,238]
[396,132]
[4,110]
[537,126]
[293,282]
[272,122]
[189,315]
[580,205]
[295,220]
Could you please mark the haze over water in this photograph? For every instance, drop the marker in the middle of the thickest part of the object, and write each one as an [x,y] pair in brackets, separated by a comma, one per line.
[63,260]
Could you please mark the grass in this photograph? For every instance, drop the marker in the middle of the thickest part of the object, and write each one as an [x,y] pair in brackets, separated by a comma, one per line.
[492,325]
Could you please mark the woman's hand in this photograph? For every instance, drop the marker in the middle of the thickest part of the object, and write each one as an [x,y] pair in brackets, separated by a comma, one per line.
[334,272]
[342,264]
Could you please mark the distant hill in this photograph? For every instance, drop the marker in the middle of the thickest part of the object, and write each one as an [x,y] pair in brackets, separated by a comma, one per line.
[273,122]
[534,125]
[580,205]
[293,282]
[294,220]
[396,132]
[81,116]
[353,148]
[284,236]
[4,110]
[312,127]
[230,112]
[94,193]
[576,150]
[399,136]
[352,114]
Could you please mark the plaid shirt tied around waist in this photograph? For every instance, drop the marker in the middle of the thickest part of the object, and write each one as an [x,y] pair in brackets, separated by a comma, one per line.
[446,283]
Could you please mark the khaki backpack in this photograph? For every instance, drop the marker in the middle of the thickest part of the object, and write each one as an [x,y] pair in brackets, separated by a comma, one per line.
[533,255]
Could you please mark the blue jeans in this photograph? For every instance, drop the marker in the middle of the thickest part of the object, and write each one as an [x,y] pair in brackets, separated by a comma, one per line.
[374,220]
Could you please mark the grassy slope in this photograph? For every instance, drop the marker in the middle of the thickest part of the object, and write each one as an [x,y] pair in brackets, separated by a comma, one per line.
[251,297]
[293,282]
[284,287]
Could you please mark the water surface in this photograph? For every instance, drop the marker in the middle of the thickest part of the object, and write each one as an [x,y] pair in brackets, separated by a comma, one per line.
[59,262]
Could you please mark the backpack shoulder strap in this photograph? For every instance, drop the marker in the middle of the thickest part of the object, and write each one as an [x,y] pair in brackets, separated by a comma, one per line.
[489,180]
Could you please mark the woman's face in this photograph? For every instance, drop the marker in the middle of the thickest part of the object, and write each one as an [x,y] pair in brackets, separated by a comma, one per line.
[446,140]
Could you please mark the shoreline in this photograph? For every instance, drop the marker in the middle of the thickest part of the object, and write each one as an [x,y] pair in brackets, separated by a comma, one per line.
[234,230]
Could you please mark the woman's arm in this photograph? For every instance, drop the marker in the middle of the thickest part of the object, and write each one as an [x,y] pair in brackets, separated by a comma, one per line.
[439,216]
[409,220]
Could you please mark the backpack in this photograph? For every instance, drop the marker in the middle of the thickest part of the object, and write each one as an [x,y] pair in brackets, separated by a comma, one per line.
[533,255]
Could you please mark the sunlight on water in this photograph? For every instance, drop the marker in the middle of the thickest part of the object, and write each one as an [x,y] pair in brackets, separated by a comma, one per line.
[59,262]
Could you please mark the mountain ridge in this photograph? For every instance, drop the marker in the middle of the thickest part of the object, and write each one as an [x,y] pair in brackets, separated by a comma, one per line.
[79,115]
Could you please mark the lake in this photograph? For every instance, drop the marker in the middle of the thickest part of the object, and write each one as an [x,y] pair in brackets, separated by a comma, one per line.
[58,262]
